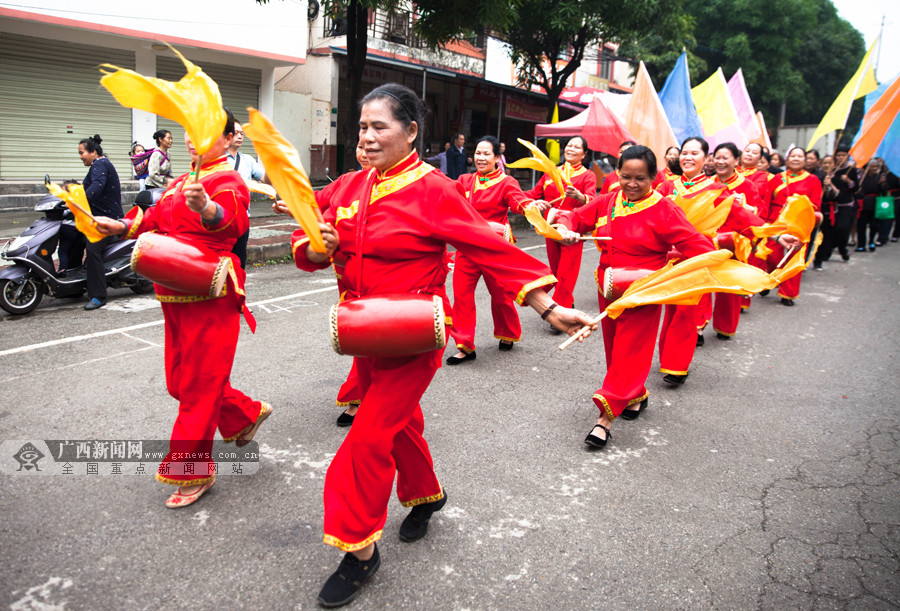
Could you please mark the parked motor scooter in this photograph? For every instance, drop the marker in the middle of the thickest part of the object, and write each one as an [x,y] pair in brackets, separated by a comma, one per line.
[33,273]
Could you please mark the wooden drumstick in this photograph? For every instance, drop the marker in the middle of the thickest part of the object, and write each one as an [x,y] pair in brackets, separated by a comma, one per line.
[582,332]
[786,256]
[199,165]
[598,238]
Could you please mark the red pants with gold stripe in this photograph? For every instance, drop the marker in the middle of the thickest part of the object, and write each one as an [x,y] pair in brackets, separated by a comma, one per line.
[678,338]
[503,307]
[727,313]
[565,263]
[385,439]
[790,288]
[629,341]
[201,339]
[350,393]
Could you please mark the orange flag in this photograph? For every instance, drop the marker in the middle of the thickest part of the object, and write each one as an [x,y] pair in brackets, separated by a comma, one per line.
[876,123]
[702,212]
[77,202]
[284,169]
[686,282]
[194,101]
[646,119]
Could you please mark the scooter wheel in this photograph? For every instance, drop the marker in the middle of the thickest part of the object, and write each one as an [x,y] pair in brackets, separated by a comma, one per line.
[20,297]
[142,287]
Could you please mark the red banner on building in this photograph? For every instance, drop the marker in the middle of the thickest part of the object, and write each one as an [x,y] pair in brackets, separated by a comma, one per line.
[516,109]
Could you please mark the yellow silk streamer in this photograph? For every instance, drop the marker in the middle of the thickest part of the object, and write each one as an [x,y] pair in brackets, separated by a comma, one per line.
[77,202]
[702,212]
[540,223]
[284,169]
[261,188]
[686,282]
[540,162]
[194,102]
[797,263]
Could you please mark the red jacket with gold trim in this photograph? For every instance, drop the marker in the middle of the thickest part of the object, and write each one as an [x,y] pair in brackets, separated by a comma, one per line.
[413,212]
[642,232]
[788,184]
[493,195]
[171,215]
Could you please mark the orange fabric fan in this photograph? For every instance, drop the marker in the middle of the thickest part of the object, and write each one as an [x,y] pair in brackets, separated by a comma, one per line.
[194,102]
[686,282]
[702,212]
[540,223]
[540,162]
[77,202]
[284,169]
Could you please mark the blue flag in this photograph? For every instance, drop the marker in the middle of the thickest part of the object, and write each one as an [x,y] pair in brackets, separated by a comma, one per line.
[678,103]
[889,149]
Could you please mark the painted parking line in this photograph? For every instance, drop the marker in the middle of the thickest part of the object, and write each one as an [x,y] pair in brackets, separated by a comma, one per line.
[155,323]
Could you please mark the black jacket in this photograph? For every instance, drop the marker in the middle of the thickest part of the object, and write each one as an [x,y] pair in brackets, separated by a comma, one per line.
[102,188]
[456,162]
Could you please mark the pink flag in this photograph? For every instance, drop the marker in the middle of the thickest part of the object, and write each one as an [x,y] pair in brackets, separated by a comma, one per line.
[746,115]
[602,130]
[646,119]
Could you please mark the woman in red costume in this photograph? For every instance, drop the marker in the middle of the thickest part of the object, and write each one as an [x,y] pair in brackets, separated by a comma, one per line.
[682,328]
[492,194]
[643,226]
[565,261]
[727,308]
[201,331]
[795,180]
[669,171]
[409,213]
[763,180]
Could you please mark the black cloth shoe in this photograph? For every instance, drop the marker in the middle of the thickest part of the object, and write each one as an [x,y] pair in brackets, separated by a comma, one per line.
[456,360]
[634,414]
[596,442]
[787,302]
[674,380]
[861,249]
[845,256]
[345,419]
[415,525]
[344,584]
[763,293]
[722,336]
[700,339]
[505,346]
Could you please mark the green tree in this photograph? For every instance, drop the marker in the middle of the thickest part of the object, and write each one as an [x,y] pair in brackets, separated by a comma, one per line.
[542,30]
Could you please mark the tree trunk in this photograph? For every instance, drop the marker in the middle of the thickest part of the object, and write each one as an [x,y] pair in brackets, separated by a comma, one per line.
[357,42]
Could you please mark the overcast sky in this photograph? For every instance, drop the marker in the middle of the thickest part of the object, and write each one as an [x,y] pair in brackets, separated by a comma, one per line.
[865,16]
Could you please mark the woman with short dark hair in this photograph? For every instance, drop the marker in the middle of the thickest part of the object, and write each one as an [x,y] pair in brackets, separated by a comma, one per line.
[643,226]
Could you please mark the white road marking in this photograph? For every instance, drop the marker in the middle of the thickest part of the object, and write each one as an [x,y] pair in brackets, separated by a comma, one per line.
[45,596]
[146,341]
[533,247]
[80,338]
[71,365]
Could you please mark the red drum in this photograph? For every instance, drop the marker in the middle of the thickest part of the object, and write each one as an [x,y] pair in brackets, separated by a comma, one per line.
[180,265]
[616,280]
[502,229]
[388,325]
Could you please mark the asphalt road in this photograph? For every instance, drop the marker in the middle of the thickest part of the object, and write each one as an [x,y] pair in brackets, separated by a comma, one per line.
[770,480]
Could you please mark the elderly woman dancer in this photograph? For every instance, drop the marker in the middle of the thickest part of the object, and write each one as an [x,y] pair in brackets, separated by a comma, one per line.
[643,226]
[201,331]
[394,235]
[493,194]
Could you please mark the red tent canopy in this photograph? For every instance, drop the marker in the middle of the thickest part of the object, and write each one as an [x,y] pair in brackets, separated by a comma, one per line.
[602,130]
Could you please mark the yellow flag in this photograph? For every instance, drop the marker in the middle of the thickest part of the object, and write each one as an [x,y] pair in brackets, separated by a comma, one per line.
[553,144]
[714,105]
[77,202]
[194,102]
[284,169]
[687,282]
[858,86]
